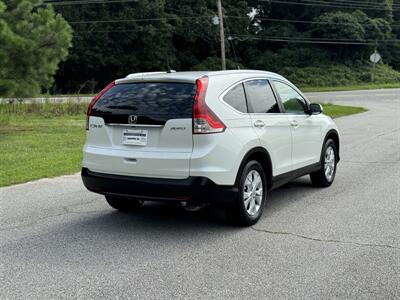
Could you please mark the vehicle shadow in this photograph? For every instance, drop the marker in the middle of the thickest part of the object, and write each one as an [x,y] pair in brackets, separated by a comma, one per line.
[293,192]
[169,217]
[158,227]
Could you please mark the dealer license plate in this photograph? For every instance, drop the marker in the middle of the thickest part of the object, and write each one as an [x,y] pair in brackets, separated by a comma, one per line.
[134,137]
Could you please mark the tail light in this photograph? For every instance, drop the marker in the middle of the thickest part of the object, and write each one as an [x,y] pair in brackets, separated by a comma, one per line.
[204,119]
[94,100]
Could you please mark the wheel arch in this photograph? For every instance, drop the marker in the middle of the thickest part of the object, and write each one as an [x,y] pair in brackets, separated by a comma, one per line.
[262,156]
[333,135]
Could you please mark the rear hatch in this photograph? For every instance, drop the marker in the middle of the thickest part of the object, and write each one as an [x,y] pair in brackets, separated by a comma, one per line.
[142,129]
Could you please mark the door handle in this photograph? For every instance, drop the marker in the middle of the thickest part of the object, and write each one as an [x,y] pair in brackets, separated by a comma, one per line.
[294,124]
[259,124]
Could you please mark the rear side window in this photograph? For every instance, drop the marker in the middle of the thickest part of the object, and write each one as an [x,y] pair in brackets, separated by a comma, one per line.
[237,98]
[260,97]
[149,101]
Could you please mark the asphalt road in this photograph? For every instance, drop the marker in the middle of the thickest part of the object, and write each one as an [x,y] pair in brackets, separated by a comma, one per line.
[59,241]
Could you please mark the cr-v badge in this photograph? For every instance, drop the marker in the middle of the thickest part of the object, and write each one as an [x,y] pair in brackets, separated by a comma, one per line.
[132,119]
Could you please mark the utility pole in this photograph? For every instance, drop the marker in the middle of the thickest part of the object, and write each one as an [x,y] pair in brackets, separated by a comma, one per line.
[222,34]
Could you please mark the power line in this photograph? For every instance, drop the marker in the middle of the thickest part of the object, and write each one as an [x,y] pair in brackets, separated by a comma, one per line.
[310,40]
[83,2]
[352,3]
[361,3]
[341,4]
[320,4]
[277,38]
[188,17]
[301,41]
[174,10]
[348,4]
[206,17]
[326,39]
[231,43]
[132,20]
[358,2]
[345,5]
[301,21]
[107,31]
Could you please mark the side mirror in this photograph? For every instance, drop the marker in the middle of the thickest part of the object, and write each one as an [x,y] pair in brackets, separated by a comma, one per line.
[316,109]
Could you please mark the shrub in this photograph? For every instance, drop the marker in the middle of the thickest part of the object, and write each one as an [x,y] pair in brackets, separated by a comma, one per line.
[340,75]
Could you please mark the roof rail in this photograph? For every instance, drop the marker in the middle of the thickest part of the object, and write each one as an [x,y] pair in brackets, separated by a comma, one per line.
[135,75]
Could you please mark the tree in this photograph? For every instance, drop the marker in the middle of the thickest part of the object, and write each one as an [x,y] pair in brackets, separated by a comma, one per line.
[354,26]
[142,36]
[198,36]
[113,39]
[391,52]
[109,49]
[33,40]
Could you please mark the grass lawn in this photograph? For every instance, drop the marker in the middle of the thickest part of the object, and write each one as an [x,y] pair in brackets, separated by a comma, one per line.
[336,111]
[45,140]
[38,141]
[370,86]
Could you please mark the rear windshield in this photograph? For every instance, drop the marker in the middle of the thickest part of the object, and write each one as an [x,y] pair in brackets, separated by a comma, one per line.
[148,101]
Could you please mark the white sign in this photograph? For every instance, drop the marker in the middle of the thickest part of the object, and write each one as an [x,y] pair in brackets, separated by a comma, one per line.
[375,57]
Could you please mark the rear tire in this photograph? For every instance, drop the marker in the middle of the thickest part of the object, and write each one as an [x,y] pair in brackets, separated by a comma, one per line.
[248,206]
[329,159]
[124,204]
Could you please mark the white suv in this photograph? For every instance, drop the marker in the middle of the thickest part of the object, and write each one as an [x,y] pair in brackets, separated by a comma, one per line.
[205,137]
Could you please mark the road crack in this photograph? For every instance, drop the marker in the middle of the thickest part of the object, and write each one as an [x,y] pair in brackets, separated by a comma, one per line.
[325,240]
[65,211]
[371,162]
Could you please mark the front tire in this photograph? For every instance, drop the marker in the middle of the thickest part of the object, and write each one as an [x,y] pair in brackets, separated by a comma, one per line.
[124,204]
[329,159]
[248,206]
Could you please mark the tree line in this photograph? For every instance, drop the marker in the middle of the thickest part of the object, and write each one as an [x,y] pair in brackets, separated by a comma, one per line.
[110,39]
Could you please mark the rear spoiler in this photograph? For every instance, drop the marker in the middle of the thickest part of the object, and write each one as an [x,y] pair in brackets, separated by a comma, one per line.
[136,75]
[170,76]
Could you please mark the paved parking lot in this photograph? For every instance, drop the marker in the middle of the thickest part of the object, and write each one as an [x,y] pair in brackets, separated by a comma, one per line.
[59,241]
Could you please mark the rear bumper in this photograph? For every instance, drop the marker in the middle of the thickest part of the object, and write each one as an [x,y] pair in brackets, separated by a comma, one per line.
[199,189]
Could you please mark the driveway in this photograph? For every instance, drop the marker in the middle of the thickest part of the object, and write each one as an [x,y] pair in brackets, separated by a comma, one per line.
[59,241]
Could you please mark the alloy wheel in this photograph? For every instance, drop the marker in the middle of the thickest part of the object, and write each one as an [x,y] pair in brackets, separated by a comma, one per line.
[253,192]
[329,163]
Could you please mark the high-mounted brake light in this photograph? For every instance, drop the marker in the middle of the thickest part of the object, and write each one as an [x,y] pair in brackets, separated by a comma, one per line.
[204,119]
[94,100]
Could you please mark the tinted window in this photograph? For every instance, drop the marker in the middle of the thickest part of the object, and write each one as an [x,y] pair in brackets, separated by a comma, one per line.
[152,103]
[260,97]
[236,98]
[292,101]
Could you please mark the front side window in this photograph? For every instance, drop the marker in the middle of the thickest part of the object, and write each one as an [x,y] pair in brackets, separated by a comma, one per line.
[260,97]
[292,101]
[236,98]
